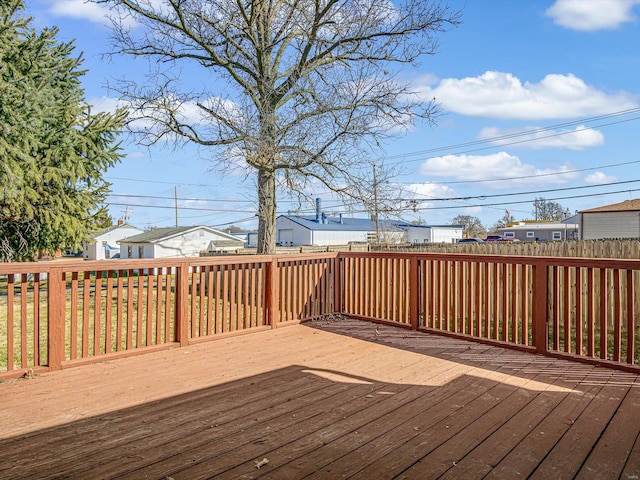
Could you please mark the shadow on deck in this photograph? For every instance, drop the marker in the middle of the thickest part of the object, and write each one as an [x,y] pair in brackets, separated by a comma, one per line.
[328,399]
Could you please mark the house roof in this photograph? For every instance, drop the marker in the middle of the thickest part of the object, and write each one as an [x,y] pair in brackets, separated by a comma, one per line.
[540,226]
[357,224]
[348,224]
[158,234]
[111,229]
[626,206]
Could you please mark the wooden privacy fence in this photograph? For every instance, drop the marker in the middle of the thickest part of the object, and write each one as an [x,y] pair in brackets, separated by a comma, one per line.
[59,314]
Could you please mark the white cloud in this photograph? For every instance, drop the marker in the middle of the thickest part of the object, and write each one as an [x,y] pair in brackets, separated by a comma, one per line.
[105,104]
[502,95]
[600,177]
[430,190]
[88,10]
[536,138]
[590,15]
[487,168]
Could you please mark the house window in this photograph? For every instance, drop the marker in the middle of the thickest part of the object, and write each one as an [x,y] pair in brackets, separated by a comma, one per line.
[557,235]
[129,251]
[104,244]
[509,234]
[202,233]
[531,234]
[140,252]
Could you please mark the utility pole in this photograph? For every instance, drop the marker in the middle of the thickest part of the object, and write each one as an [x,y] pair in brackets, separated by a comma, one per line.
[175,195]
[376,218]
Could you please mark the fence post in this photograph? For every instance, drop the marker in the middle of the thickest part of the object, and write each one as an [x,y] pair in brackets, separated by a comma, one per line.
[182,305]
[56,298]
[271,292]
[539,307]
[414,292]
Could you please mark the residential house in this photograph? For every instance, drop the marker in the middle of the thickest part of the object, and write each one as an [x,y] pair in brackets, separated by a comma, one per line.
[541,231]
[178,242]
[619,220]
[104,244]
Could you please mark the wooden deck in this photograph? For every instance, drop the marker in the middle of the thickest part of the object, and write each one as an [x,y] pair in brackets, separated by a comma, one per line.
[324,400]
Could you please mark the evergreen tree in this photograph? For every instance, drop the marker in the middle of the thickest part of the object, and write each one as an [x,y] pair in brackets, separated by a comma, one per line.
[53,150]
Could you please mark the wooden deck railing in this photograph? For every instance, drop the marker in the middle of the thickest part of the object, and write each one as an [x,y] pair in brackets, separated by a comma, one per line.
[59,314]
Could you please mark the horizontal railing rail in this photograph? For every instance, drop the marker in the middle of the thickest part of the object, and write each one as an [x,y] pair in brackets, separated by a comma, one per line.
[58,314]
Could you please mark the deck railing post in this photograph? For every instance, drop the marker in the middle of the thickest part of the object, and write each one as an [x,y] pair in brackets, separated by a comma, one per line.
[414,292]
[56,297]
[539,307]
[337,285]
[182,305]
[271,292]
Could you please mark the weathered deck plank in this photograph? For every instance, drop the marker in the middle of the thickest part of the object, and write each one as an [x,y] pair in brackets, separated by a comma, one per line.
[342,399]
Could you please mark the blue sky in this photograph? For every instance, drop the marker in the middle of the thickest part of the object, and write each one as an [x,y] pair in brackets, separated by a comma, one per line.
[541,98]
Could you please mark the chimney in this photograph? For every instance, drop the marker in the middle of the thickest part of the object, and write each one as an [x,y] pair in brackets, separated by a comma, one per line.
[341,222]
[324,218]
[318,209]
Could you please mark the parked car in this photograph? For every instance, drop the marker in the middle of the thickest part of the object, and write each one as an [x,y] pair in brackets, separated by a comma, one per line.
[494,238]
[471,240]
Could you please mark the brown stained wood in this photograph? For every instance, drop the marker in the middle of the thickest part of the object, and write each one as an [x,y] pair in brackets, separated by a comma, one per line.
[107,312]
[566,310]
[604,317]
[630,318]
[260,298]
[591,313]
[201,305]
[218,297]
[210,313]
[465,298]
[246,318]
[129,344]
[86,303]
[139,309]
[148,311]
[73,306]
[193,295]
[539,308]
[160,278]
[233,297]
[119,306]
[56,315]
[36,320]
[503,323]
[97,310]
[167,307]
[579,312]
[487,288]
[477,306]
[515,294]
[524,289]
[226,322]
[555,307]
[455,296]
[328,399]
[23,321]
[617,315]
[10,320]
[609,456]
[433,289]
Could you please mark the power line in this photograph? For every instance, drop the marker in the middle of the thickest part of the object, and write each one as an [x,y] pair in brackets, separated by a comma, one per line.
[524,177]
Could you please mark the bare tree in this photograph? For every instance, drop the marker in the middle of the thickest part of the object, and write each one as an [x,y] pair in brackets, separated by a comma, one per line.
[548,210]
[473,226]
[309,87]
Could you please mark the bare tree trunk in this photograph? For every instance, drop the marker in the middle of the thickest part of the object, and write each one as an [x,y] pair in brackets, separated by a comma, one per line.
[266,212]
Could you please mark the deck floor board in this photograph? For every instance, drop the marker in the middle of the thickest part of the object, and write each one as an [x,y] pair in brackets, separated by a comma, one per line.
[326,399]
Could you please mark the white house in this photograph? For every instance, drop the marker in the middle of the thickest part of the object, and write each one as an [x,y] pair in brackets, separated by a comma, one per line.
[104,244]
[325,230]
[178,242]
[432,233]
[619,220]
